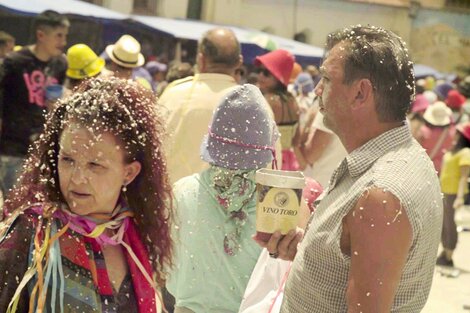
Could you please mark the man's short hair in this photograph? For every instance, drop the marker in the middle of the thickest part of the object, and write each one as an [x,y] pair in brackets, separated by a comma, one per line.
[5,38]
[382,57]
[50,19]
[226,53]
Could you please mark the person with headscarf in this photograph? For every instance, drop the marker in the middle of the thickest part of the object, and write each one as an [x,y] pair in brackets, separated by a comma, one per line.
[216,208]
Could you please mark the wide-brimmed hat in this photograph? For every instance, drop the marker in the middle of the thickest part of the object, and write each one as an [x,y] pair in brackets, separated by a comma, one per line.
[443,89]
[126,52]
[455,100]
[83,62]
[430,96]
[242,133]
[279,63]
[438,114]
[420,104]
[464,129]
[304,84]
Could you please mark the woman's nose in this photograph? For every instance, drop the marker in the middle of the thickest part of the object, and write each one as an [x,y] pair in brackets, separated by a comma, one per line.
[78,175]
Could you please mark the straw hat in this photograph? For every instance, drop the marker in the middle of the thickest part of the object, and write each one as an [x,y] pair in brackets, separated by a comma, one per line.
[126,52]
[438,114]
[83,62]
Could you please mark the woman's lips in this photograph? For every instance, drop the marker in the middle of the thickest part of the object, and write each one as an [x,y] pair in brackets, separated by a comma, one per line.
[79,195]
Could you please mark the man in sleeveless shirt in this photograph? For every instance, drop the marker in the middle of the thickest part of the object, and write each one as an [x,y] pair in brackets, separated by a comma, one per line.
[371,244]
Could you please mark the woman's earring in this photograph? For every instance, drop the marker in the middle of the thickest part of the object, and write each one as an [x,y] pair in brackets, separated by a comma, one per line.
[124,188]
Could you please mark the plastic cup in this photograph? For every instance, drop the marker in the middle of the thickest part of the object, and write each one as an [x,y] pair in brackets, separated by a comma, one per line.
[278,202]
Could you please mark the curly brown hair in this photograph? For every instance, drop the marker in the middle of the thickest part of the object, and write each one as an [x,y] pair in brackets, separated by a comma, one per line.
[128,111]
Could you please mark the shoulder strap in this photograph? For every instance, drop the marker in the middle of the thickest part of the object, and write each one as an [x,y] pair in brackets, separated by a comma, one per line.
[439,143]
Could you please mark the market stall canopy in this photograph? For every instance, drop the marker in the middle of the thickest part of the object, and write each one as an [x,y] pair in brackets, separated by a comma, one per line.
[253,42]
[422,71]
[63,6]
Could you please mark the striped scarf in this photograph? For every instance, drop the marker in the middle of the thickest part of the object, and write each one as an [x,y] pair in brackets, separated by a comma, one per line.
[65,269]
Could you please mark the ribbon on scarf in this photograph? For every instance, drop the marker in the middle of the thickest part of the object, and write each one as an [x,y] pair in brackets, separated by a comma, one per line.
[49,253]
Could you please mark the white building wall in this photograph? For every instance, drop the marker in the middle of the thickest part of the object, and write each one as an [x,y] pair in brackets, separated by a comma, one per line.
[122,6]
[172,8]
[319,17]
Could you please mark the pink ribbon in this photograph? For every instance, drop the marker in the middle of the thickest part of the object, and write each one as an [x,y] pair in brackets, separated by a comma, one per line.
[245,145]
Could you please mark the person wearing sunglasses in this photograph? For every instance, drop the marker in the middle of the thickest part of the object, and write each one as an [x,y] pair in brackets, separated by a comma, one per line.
[274,70]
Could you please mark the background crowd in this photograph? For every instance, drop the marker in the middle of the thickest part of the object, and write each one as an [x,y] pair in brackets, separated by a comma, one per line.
[214,124]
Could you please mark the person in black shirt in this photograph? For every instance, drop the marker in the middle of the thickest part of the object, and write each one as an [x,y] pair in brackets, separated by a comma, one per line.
[24,75]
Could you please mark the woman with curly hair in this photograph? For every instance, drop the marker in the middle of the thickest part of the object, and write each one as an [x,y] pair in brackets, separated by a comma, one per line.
[88,223]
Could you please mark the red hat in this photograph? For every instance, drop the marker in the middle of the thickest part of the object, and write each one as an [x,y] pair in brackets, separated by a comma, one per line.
[279,62]
[455,100]
[464,129]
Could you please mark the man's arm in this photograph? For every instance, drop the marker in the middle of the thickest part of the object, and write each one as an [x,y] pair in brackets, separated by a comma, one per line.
[380,236]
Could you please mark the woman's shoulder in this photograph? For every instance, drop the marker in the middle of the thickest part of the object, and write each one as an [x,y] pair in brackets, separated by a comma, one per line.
[17,231]
[20,223]
[463,153]
[24,218]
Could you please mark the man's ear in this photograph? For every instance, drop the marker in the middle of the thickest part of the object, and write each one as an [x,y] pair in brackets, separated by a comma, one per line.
[364,92]
[39,35]
[131,172]
[240,60]
[201,62]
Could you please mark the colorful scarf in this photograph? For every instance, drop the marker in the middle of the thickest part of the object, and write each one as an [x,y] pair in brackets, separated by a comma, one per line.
[233,189]
[50,248]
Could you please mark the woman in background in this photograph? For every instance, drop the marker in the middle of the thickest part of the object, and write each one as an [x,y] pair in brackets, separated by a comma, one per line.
[274,70]
[454,184]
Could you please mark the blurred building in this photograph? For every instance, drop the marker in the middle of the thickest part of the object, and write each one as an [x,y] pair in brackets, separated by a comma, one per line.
[437,31]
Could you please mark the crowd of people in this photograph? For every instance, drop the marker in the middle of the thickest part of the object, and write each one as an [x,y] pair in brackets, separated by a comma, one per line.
[129,184]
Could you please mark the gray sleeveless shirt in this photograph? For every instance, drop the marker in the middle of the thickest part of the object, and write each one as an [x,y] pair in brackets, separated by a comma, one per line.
[393,161]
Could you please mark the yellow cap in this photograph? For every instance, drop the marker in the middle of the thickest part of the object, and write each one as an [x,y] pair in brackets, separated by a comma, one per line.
[83,62]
